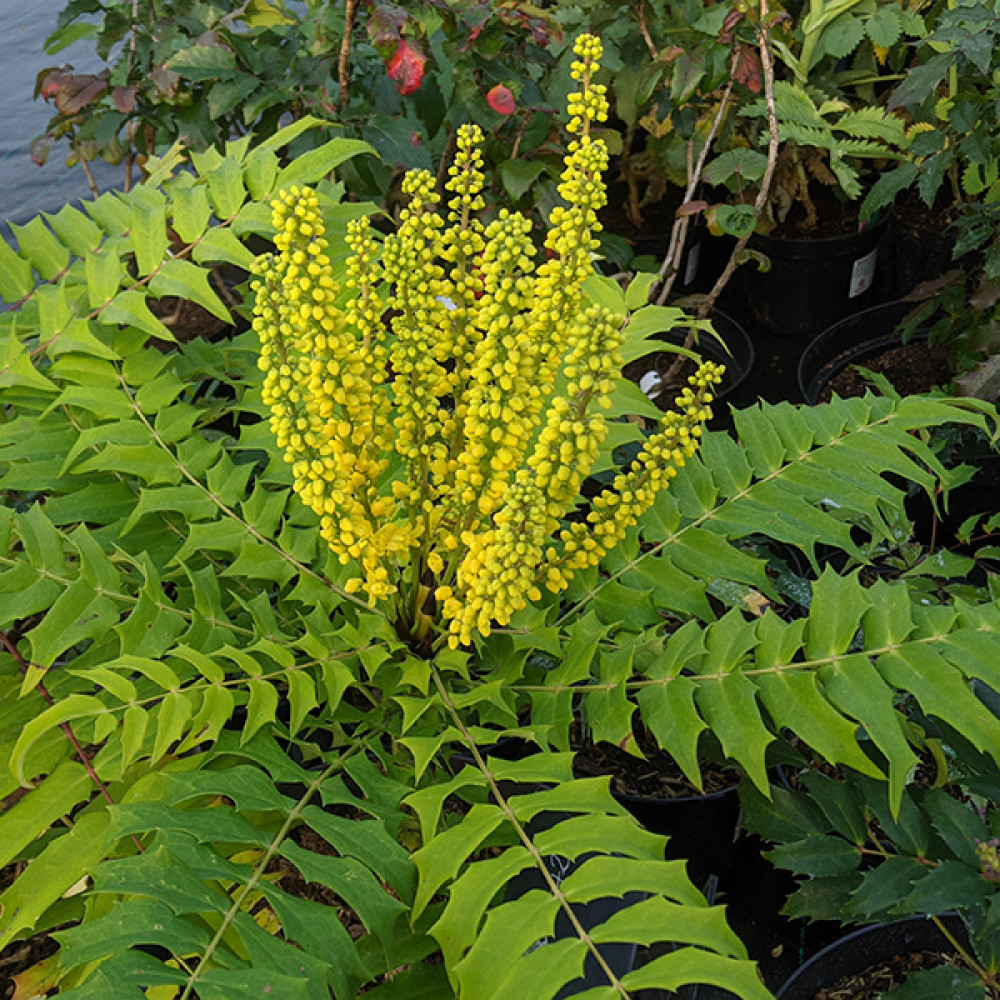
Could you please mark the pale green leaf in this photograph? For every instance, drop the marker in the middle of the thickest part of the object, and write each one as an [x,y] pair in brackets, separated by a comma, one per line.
[148,229]
[105,271]
[129,308]
[188,281]
[61,865]
[78,233]
[50,800]
[16,279]
[311,167]
[226,185]
[190,212]
[221,244]
[38,243]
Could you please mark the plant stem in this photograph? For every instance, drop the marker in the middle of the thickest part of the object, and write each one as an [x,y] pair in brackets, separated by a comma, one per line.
[132,40]
[643,29]
[522,834]
[668,269]
[343,61]
[773,143]
[960,951]
[94,189]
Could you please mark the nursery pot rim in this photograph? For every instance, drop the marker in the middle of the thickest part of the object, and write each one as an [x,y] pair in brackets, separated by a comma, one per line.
[811,383]
[823,246]
[738,359]
[874,931]
[633,798]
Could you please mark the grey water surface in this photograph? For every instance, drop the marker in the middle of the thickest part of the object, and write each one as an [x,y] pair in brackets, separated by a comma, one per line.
[27,189]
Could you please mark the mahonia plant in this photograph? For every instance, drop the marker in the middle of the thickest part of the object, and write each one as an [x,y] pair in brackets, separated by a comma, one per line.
[442,417]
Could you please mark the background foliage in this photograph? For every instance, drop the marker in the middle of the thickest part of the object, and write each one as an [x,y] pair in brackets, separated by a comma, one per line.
[248,727]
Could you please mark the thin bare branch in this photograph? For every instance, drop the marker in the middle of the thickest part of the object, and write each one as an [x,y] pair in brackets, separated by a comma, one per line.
[678,235]
[773,143]
[644,29]
[344,60]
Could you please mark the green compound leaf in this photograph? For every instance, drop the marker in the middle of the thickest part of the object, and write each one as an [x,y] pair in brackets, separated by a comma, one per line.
[946,980]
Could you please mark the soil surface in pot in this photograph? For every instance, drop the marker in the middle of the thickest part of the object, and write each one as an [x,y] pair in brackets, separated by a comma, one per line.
[834,217]
[874,982]
[658,217]
[655,777]
[911,368]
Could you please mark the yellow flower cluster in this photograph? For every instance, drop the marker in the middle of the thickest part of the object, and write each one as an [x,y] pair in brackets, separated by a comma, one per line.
[498,575]
[326,409]
[441,417]
[633,492]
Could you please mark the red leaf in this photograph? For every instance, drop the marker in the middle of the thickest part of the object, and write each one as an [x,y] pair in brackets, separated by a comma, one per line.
[406,68]
[70,92]
[691,208]
[501,100]
[124,98]
[747,69]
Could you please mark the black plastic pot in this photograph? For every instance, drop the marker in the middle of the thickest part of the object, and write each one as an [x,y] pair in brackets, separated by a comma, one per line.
[621,958]
[703,261]
[655,248]
[701,828]
[979,496]
[861,949]
[737,356]
[850,342]
[812,283]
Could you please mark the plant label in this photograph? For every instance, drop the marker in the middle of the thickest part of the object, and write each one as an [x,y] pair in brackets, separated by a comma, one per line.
[691,271]
[863,274]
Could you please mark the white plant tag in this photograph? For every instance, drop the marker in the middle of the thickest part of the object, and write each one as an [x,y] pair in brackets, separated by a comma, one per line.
[691,271]
[863,274]
[650,383]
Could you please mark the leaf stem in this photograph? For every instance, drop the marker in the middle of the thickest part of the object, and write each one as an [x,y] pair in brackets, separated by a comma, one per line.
[258,873]
[522,834]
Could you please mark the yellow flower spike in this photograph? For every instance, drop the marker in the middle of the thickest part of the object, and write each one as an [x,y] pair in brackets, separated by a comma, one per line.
[441,420]
[634,491]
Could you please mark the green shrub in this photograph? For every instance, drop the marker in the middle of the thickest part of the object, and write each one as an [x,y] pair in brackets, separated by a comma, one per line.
[169,603]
